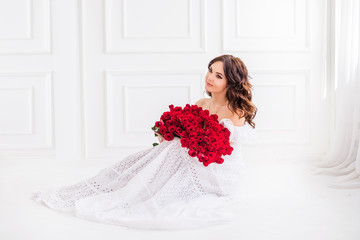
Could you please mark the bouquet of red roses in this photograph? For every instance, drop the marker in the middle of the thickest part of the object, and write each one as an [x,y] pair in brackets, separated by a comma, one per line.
[198,131]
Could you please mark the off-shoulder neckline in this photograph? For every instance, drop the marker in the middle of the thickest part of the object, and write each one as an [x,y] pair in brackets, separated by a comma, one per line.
[233,123]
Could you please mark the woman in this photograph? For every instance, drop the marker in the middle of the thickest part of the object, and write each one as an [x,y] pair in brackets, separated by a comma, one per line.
[162,187]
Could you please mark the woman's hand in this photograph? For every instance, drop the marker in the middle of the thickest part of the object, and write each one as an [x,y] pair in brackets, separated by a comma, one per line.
[160,137]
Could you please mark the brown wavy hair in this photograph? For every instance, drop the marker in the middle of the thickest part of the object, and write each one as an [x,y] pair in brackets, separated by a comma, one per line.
[239,88]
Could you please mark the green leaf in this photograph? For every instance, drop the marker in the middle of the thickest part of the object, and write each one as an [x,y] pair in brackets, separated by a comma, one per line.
[154,144]
[155,135]
[153,128]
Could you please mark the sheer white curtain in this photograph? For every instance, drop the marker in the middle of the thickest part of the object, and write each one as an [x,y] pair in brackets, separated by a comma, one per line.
[343,158]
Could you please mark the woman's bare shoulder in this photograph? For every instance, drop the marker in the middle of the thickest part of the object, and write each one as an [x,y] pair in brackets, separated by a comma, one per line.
[235,118]
[201,102]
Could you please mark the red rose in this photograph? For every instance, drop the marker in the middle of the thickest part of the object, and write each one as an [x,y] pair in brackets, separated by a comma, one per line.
[187,126]
[220,160]
[178,131]
[159,124]
[163,130]
[172,129]
[193,134]
[217,128]
[176,109]
[211,147]
[206,163]
[214,117]
[184,134]
[200,149]
[193,143]
[192,152]
[211,155]
[168,123]
[200,139]
[165,116]
[212,139]
[168,136]
[191,129]
[184,142]
[229,150]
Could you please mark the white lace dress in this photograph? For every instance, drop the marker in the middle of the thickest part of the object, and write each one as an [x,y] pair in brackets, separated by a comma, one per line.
[161,187]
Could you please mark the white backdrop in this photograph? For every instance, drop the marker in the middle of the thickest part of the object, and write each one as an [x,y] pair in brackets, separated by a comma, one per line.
[88,79]
[343,158]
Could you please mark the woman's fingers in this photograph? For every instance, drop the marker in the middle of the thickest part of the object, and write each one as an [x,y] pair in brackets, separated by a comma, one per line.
[158,134]
[160,137]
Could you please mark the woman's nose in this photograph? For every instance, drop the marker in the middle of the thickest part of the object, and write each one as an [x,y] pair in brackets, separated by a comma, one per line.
[211,80]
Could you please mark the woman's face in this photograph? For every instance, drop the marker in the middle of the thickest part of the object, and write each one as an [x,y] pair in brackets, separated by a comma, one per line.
[215,81]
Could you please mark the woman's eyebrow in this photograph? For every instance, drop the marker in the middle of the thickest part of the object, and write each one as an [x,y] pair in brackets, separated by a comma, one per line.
[217,72]
[220,73]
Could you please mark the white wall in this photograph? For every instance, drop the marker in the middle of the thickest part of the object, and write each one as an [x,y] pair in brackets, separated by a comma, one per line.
[88,79]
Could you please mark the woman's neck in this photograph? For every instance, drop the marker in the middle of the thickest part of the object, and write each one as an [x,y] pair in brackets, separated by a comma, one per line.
[217,100]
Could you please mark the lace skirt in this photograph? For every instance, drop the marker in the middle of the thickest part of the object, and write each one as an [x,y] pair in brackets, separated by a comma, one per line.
[160,187]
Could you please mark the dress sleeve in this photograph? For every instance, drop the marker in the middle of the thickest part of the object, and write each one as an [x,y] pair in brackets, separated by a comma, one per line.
[239,134]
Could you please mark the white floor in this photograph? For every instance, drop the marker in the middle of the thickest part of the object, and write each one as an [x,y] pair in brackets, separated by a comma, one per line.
[280,201]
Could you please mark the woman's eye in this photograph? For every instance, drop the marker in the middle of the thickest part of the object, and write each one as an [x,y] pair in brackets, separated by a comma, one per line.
[218,76]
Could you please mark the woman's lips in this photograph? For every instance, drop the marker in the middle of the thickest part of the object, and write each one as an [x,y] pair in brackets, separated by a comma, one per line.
[209,84]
